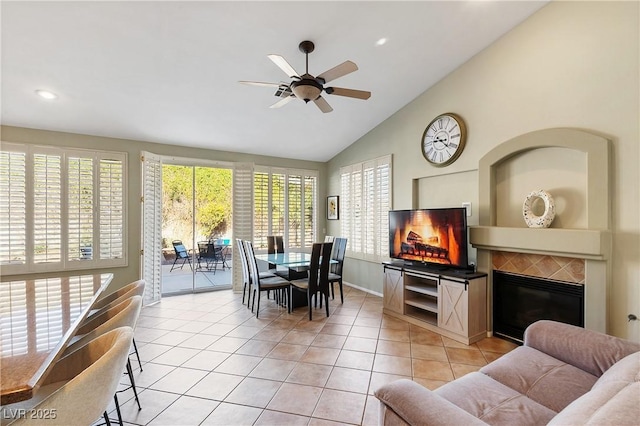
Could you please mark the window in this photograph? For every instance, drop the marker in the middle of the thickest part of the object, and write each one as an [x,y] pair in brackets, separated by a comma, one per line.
[285,203]
[364,208]
[61,209]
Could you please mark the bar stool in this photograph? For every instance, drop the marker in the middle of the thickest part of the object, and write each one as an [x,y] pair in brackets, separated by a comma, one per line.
[81,384]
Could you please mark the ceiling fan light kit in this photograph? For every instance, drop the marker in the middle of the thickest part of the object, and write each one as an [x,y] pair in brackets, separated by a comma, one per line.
[307,87]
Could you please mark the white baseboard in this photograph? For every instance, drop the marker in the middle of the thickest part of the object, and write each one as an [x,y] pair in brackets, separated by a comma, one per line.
[366,290]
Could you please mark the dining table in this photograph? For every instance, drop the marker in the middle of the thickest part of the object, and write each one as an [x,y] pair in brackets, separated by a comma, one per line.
[298,267]
[38,318]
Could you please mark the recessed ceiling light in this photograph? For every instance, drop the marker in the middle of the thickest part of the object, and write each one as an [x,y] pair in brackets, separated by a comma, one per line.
[46,94]
[381,41]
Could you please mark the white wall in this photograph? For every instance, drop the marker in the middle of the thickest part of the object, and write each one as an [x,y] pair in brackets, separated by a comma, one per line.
[572,64]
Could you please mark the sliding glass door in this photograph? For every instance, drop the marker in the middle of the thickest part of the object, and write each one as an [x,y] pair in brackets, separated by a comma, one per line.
[196,227]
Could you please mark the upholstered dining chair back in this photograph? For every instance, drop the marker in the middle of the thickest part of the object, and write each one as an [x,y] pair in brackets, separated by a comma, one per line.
[317,282]
[81,385]
[125,313]
[335,273]
[131,289]
[135,288]
[245,269]
[259,282]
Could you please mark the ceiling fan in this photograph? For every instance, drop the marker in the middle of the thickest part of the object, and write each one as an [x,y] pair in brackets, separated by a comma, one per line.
[307,87]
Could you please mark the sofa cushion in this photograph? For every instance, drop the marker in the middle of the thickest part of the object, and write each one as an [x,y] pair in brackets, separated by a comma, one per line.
[614,399]
[613,403]
[546,380]
[626,370]
[493,402]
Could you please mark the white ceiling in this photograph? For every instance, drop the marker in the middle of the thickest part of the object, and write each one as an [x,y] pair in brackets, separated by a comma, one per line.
[168,72]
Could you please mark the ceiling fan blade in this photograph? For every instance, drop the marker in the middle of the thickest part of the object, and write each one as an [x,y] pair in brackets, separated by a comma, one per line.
[260,83]
[350,93]
[283,102]
[323,105]
[284,65]
[338,71]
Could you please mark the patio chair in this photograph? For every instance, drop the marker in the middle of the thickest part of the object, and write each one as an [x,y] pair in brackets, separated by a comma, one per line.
[211,254]
[181,254]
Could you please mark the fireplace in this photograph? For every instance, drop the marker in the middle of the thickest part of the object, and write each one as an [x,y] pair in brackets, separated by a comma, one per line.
[520,300]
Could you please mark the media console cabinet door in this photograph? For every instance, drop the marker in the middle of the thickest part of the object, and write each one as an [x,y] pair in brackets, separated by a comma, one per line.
[393,290]
[453,300]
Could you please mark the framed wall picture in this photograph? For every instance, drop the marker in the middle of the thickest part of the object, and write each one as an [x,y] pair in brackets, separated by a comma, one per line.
[333,207]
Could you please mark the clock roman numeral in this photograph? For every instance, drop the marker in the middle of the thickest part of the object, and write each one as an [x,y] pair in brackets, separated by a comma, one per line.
[453,145]
[457,135]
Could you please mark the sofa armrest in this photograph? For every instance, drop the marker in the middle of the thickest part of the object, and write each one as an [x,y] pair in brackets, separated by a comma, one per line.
[587,350]
[417,405]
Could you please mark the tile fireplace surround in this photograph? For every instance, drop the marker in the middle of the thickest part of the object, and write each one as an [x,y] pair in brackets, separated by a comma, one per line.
[574,252]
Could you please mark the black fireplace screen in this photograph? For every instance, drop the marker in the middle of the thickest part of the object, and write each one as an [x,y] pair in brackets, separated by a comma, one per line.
[520,300]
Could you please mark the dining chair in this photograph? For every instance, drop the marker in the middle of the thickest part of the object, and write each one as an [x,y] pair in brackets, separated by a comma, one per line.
[246,276]
[273,248]
[317,281]
[181,254]
[335,274]
[264,284]
[246,280]
[114,298]
[125,314]
[80,385]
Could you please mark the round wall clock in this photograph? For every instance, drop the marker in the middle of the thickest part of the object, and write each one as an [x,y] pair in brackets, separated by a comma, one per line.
[443,140]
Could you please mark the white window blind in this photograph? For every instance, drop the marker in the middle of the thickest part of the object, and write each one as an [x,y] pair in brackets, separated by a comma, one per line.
[285,203]
[61,209]
[151,227]
[365,203]
[243,213]
[13,201]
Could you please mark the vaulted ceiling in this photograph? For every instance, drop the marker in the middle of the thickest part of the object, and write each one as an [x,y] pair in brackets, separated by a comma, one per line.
[168,72]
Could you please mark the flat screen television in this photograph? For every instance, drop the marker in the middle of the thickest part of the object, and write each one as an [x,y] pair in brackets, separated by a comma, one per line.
[429,236]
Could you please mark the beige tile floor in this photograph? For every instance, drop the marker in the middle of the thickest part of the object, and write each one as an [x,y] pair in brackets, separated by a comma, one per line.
[208,360]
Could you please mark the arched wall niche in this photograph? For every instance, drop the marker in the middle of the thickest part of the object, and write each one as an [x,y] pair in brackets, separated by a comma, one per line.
[594,148]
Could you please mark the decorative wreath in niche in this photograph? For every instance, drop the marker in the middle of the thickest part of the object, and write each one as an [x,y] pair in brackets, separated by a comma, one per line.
[534,221]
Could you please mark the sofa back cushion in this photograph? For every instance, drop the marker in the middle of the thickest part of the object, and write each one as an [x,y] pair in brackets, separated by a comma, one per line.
[612,400]
[588,350]
[627,370]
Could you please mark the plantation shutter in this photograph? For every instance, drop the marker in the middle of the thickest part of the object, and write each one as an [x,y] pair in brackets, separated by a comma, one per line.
[383,178]
[243,183]
[294,203]
[365,204]
[51,217]
[261,209]
[310,195]
[151,227]
[81,203]
[111,216]
[278,204]
[346,215]
[13,199]
[47,207]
